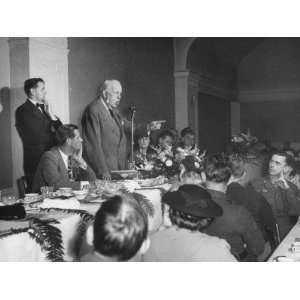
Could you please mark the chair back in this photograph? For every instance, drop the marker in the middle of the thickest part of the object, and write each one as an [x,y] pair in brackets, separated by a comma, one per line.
[22,186]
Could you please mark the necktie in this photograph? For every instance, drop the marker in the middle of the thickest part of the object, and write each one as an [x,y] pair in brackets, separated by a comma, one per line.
[70,171]
[111,113]
[42,108]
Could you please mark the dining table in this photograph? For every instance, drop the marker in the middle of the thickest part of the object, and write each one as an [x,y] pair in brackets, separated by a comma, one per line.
[289,248]
[66,221]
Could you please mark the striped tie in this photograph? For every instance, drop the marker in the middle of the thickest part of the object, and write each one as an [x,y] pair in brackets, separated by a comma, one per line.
[70,171]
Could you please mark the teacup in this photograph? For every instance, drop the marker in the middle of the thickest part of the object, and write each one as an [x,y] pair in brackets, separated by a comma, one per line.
[32,197]
[65,191]
[283,259]
[80,195]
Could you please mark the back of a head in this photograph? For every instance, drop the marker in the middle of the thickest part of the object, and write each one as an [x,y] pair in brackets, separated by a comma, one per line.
[191,207]
[120,228]
[217,170]
[237,165]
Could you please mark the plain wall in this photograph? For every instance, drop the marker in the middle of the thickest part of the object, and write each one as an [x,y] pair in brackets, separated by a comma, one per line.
[144,67]
[269,90]
[203,61]
[5,117]
[273,64]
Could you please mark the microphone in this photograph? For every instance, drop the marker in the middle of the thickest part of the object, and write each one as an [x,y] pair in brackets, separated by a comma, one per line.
[132,108]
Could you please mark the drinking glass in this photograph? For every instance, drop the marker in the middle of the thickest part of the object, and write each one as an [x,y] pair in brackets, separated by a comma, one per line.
[47,191]
[8,197]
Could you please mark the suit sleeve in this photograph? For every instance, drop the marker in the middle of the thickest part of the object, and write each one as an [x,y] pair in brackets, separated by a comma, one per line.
[293,199]
[251,234]
[52,176]
[25,125]
[87,175]
[235,193]
[93,152]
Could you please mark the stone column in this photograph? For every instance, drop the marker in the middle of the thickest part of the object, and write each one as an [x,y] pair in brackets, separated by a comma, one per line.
[193,98]
[181,99]
[37,57]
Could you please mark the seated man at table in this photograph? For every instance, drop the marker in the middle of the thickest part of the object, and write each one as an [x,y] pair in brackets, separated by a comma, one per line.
[119,232]
[281,194]
[63,165]
[236,225]
[242,193]
[186,213]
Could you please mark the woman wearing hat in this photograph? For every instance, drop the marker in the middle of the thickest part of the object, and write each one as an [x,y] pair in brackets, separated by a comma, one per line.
[186,212]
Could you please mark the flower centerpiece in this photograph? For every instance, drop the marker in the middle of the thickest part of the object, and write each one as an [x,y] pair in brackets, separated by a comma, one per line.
[165,163]
[246,147]
[243,143]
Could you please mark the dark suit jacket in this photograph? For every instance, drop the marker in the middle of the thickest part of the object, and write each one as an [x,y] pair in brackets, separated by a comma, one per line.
[37,134]
[104,138]
[256,204]
[52,171]
[237,226]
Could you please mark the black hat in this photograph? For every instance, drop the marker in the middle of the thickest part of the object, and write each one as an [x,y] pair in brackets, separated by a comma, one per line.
[141,132]
[193,200]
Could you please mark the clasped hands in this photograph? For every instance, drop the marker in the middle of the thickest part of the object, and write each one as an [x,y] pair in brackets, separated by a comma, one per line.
[281,182]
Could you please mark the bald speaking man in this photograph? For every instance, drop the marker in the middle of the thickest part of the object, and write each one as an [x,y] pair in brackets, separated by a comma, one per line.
[103,131]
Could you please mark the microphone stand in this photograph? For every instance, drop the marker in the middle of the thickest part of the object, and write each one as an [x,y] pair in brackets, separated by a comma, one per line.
[132,138]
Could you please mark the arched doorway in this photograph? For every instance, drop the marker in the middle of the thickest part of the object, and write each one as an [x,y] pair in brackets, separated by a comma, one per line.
[208,87]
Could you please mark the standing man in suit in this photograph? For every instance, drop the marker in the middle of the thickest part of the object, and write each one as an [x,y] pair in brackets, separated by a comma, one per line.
[36,126]
[103,131]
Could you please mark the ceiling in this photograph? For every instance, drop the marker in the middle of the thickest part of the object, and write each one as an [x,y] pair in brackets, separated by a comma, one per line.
[229,50]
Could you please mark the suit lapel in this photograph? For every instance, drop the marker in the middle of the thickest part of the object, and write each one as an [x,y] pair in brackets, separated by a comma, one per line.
[61,162]
[112,120]
[36,111]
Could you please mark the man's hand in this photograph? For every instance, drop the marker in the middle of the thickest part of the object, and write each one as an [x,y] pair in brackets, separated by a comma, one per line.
[106,176]
[77,156]
[48,109]
[156,125]
[282,181]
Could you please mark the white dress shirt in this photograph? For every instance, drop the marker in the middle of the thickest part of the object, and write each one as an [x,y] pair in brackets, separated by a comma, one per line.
[65,158]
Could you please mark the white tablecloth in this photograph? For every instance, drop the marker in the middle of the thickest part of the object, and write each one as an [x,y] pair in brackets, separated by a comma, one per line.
[284,248]
[21,247]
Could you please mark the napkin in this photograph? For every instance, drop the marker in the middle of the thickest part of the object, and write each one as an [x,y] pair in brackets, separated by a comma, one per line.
[10,212]
[131,185]
[71,203]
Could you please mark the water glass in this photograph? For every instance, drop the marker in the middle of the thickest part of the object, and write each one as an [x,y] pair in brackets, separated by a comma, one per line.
[8,197]
[47,191]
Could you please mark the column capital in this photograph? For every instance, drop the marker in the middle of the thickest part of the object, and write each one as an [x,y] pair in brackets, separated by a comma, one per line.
[58,44]
[181,74]
[17,41]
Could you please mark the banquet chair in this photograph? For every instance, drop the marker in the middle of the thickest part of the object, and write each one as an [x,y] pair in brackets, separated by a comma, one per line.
[22,186]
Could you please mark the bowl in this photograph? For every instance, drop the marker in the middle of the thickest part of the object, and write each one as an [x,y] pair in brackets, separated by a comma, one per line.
[125,174]
[80,195]
[32,197]
[65,191]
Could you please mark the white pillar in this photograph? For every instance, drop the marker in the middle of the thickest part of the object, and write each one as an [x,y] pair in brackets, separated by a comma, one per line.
[181,99]
[37,57]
